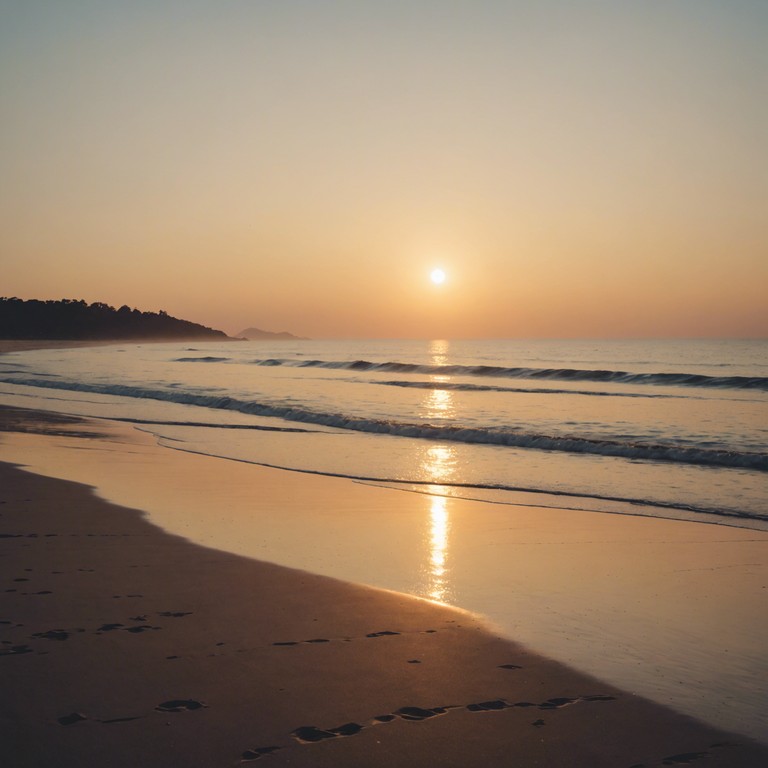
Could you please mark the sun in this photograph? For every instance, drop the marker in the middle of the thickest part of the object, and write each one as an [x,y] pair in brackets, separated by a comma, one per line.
[437,276]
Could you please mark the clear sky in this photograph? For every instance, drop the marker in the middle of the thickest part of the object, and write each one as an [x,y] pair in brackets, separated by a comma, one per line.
[577,167]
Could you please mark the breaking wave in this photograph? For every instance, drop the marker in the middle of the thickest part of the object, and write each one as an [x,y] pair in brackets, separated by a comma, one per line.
[498,436]
[555,374]
[208,359]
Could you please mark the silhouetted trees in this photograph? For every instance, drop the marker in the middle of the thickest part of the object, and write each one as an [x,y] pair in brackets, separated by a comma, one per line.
[74,319]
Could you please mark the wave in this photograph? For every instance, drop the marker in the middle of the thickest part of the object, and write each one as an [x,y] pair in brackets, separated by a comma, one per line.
[498,436]
[557,374]
[208,359]
[161,423]
[459,387]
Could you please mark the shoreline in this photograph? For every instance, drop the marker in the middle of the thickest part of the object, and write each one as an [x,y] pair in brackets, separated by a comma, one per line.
[24,345]
[129,644]
[669,610]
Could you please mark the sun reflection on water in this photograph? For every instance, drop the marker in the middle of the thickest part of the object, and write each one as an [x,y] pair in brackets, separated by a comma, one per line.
[437,464]
[438,351]
[438,403]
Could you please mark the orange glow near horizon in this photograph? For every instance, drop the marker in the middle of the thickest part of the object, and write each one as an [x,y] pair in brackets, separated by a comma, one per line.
[263,167]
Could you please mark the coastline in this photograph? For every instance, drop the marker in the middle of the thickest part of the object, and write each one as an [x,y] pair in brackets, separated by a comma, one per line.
[669,610]
[266,651]
[23,345]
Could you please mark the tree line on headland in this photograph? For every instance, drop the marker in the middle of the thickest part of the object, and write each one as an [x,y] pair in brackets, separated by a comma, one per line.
[75,319]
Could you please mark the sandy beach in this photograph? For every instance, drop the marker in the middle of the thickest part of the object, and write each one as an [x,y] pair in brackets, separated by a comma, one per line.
[124,645]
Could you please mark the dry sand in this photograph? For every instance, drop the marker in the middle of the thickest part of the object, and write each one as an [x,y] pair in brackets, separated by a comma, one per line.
[123,645]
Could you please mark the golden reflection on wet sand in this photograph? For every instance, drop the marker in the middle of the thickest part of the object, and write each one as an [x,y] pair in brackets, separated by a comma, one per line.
[438,463]
[438,582]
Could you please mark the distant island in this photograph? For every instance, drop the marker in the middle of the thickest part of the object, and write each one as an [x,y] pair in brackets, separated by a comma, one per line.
[256,334]
[75,319]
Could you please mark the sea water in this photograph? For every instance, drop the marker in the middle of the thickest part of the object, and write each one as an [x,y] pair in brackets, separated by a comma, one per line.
[674,429]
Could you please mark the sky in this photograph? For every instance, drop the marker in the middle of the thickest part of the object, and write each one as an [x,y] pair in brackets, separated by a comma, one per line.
[579,168]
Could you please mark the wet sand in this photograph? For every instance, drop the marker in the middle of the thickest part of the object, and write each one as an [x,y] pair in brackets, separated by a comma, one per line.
[20,345]
[124,645]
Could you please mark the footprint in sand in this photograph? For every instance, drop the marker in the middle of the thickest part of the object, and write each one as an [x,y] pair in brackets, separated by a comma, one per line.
[180,705]
[71,719]
[54,634]
[15,650]
[382,633]
[417,713]
[489,706]
[309,734]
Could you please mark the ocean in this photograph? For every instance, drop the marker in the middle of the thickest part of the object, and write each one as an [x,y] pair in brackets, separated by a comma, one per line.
[675,430]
